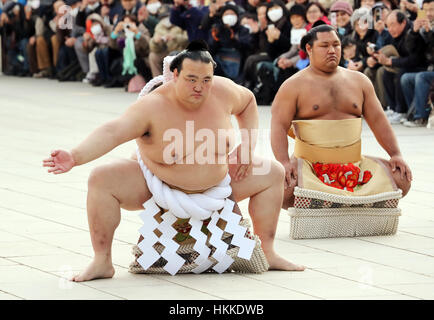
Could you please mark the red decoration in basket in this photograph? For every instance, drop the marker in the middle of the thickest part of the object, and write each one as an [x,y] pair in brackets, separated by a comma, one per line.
[341,176]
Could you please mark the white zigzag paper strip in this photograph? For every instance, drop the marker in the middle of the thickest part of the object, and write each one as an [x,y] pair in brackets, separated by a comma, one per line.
[200,246]
[174,261]
[224,261]
[246,245]
[196,207]
[149,254]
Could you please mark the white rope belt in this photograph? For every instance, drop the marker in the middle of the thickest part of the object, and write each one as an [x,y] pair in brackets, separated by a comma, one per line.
[196,207]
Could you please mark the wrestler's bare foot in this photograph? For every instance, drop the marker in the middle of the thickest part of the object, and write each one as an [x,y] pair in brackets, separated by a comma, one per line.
[276,262]
[98,269]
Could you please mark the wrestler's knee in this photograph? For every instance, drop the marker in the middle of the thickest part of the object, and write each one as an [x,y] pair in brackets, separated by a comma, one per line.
[271,172]
[98,177]
[277,171]
[402,183]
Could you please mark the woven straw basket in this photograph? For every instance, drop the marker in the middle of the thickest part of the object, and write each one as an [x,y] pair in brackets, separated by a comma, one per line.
[323,215]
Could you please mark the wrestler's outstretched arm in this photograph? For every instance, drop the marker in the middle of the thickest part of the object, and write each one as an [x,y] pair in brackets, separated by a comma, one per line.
[245,111]
[380,126]
[133,123]
[283,110]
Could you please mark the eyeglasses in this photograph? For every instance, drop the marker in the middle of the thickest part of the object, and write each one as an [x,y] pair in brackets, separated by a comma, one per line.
[313,11]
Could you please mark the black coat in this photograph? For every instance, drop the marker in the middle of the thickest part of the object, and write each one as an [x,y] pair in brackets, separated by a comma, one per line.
[415,39]
[409,60]
[236,37]
[19,26]
[283,44]
[82,15]
[371,36]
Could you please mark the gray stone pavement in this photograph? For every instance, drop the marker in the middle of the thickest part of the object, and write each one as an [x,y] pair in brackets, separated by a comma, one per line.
[44,233]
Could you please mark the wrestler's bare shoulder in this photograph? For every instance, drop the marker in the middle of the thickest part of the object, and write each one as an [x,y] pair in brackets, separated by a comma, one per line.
[225,88]
[292,88]
[304,79]
[154,100]
[229,95]
[353,75]
[295,80]
[158,102]
[222,83]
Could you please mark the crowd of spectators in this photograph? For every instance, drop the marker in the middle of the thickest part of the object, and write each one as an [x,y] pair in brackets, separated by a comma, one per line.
[256,43]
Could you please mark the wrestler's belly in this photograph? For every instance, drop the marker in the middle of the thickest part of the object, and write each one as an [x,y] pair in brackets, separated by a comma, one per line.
[193,177]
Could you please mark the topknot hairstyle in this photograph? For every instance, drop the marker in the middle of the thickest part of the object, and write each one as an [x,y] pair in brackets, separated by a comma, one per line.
[196,50]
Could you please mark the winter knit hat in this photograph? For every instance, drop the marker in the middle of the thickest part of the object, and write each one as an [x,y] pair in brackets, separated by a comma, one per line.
[342,6]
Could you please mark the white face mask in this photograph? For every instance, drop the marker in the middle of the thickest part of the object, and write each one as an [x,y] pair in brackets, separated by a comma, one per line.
[74,11]
[275,14]
[230,19]
[247,26]
[153,7]
[96,29]
[35,4]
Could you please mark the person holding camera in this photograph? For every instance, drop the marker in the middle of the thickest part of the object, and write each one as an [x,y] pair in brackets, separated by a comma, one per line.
[363,34]
[95,42]
[416,85]
[342,12]
[397,60]
[279,29]
[214,13]
[187,15]
[132,42]
[32,13]
[410,8]
[62,44]
[167,38]
[352,55]
[16,28]
[229,43]
[374,70]
[287,62]
[86,8]
[148,20]
[258,51]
